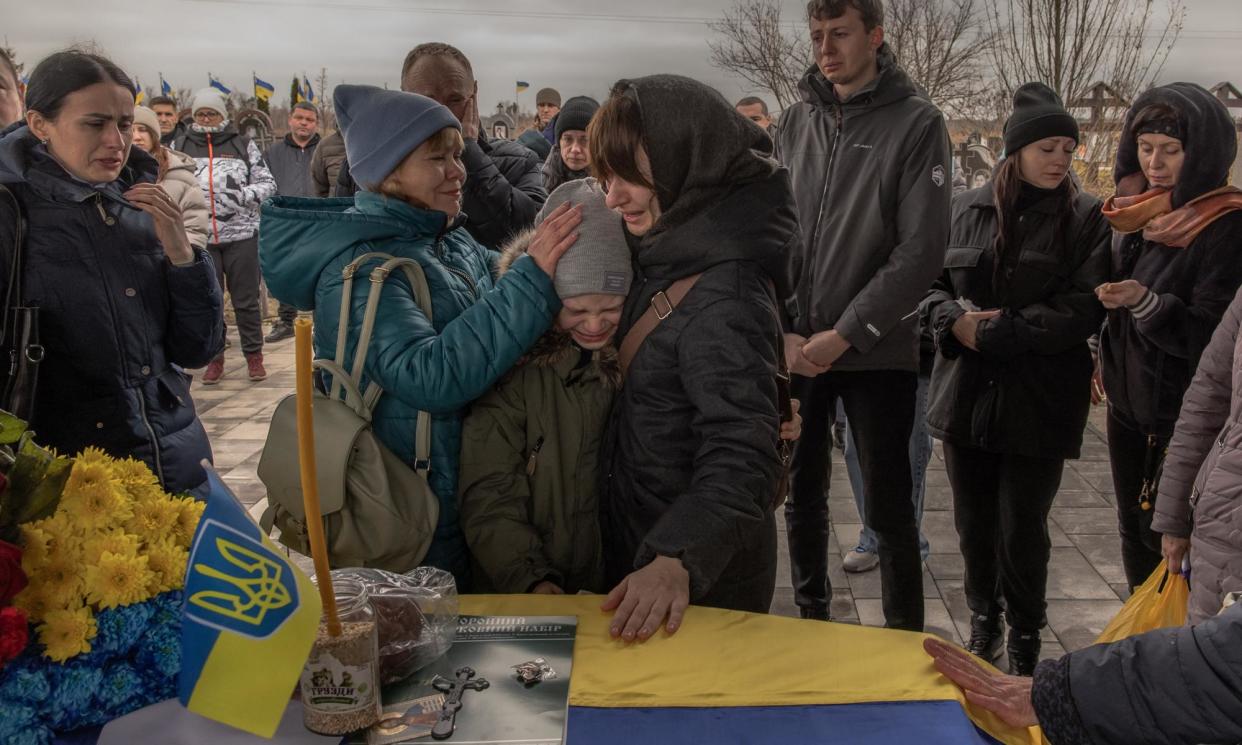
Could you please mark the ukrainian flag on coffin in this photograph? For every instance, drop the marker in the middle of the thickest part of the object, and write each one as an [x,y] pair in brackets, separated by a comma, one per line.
[742,678]
[248,623]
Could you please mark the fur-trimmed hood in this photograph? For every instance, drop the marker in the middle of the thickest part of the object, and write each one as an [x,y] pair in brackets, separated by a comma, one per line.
[556,347]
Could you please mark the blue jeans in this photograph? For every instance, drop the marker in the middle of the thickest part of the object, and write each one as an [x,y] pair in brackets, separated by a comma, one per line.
[920,456]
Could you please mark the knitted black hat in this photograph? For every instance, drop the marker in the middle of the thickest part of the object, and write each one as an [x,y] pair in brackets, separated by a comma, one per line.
[1037,114]
[575,114]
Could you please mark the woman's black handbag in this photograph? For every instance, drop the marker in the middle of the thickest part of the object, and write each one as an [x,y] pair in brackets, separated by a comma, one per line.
[19,330]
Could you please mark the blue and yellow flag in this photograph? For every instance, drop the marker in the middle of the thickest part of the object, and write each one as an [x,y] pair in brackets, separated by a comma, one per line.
[263,90]
[165,88]
[218,85]
[248,623]
[140,95]
[309,92]
[522,85]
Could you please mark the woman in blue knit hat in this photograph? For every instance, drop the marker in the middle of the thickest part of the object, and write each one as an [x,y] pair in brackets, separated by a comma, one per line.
[405,153]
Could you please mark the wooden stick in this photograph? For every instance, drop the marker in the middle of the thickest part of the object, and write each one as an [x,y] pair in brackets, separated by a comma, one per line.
[310,480]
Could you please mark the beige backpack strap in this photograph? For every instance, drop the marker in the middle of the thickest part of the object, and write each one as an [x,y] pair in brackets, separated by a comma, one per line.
[347,300]
[663,304]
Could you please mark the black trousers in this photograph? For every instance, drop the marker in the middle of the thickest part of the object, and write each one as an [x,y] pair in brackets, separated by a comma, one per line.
[287,314]
[1000,508]
[1140,546]
[880,408]
[237,263]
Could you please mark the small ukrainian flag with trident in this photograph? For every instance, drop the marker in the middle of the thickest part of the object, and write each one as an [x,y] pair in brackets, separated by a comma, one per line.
[263,90]
[248,623]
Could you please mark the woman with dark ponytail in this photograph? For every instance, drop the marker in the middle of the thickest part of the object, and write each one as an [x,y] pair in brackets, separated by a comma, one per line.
[124,300]
[1011,315]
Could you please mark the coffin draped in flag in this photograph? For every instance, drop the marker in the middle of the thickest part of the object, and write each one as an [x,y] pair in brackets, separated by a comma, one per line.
[732,677]
[249,620]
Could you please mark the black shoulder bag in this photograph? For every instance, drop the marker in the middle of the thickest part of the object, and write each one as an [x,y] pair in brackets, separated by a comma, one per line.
[19,331]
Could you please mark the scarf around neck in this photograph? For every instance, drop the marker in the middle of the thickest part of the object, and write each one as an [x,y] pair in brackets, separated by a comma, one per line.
[1152,212]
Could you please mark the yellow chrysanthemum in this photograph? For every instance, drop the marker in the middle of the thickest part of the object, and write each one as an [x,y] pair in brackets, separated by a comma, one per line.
[37,601]
[166,561]
[117,580]
[153,520]
[190,511]
[93,456]
[96,505]
[62,530]
[36,546]
[136,478]
[63,569]
[116,541]
[67,633]
[88,472]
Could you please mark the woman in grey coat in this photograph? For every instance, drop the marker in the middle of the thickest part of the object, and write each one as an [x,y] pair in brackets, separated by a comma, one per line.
[1199,502]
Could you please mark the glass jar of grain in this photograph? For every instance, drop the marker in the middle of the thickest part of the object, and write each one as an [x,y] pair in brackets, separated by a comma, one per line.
[340,692]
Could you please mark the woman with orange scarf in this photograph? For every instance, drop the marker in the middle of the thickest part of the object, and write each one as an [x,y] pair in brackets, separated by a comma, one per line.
[1176,267]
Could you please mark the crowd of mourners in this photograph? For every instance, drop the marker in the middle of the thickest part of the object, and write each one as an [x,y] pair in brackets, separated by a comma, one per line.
[621,299]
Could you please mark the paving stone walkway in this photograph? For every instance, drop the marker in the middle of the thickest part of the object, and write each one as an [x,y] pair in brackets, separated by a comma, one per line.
[1086,583]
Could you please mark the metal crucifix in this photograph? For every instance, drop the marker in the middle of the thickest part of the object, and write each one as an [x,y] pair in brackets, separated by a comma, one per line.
[465,681]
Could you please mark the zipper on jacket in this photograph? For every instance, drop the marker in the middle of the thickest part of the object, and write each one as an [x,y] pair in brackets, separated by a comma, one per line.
[533,461]
[107,219]
[474,291]
[155,443]
[839,116]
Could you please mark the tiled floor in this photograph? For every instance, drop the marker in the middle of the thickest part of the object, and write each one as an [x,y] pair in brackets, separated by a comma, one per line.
[1085,584]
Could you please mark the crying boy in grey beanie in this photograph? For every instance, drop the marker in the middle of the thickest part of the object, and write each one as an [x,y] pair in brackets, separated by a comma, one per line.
[530,445]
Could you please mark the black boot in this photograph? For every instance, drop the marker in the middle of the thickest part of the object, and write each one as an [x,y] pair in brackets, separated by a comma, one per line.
[986,635]
[815,614]
[1023,648]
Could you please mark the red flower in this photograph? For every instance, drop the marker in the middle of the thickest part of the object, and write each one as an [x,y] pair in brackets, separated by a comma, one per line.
[14,633]
[12,578]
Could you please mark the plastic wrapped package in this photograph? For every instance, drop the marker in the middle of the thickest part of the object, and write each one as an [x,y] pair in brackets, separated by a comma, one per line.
[416,614]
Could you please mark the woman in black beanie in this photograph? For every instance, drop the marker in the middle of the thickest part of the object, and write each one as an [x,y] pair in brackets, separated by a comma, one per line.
[570,158]
[1175,271]
[1011,315]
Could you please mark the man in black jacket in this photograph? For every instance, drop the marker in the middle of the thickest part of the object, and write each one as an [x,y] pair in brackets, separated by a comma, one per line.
[504,180]
[869,156]
[289,160]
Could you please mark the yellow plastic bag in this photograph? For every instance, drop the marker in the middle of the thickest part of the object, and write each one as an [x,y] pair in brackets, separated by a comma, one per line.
[1159,603]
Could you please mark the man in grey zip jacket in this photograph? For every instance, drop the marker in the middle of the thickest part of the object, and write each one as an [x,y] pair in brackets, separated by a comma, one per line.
[870,160]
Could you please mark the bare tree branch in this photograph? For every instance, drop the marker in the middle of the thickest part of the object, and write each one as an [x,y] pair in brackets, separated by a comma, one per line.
[943,47]
[755,46]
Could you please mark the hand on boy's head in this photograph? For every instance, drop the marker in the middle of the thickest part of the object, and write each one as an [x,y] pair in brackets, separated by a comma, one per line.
[554,236]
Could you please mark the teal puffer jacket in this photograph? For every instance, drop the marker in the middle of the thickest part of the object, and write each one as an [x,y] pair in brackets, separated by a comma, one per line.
[481,327]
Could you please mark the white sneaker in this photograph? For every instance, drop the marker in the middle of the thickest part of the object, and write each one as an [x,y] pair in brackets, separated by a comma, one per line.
[859,560]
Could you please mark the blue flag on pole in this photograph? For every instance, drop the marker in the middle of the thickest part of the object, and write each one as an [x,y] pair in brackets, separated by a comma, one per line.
[165,88]
[310,92]
[219,86]
[248,623]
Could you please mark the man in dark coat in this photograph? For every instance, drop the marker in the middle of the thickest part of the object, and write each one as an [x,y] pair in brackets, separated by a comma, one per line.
[289,160]
[504,179]
[869,157]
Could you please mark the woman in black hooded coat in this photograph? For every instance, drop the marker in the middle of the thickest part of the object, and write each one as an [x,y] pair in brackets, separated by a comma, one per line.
[690,461]
[1176,268]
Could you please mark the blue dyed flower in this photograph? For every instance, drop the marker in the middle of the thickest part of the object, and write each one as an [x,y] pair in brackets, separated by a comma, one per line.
[119,629]
[32,736]
[73,691]
[160,651]
[25,684]
[15,719]
[121,685]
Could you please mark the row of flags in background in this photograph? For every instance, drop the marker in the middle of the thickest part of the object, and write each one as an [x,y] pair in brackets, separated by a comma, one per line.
[263,90]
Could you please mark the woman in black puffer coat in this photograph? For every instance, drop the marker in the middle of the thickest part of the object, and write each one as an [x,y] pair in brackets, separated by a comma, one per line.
[1011,315]
[690,459]
[1176,268]
[124,301]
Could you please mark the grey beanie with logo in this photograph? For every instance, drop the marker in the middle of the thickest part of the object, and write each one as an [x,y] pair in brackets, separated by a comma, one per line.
[599,261]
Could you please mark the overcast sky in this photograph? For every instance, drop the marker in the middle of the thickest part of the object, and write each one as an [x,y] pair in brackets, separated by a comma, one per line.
[577,47]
